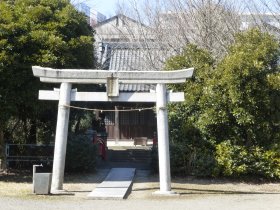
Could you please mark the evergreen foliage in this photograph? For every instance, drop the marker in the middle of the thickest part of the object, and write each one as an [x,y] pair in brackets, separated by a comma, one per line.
[231,114]
[239,103]
[48,33]
[81,154]
[237,161]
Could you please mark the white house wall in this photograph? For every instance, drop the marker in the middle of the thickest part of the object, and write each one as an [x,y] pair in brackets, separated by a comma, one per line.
[120,28]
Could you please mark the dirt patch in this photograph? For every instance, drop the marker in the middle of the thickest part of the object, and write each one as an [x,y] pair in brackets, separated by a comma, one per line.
[146,184]
[17,184]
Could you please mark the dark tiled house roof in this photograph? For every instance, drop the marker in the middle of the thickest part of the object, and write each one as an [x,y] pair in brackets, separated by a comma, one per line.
[131,56]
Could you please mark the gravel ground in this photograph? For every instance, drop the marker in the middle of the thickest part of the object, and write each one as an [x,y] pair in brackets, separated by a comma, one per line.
[198,194]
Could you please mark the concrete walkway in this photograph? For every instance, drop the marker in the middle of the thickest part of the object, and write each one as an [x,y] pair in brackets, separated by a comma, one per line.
[116,185]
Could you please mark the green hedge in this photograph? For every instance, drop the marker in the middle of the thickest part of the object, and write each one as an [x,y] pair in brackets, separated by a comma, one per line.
[227,160]
[235,161]
[186,160]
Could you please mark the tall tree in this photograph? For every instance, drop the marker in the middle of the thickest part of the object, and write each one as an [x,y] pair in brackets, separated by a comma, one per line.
[183,117]
[236,100]
[37,32]
[230,104]
[240,103]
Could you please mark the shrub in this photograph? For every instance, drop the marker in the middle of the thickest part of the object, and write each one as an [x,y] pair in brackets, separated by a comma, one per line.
[186,160]
[179,159]
[230,159]
[204,162]
[81,154]
[264,163]
[235,161]
[154,160]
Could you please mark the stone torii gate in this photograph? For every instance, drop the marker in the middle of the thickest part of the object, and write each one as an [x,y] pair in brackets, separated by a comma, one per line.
[65,95]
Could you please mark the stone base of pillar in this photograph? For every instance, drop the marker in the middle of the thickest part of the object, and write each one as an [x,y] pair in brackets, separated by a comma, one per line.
[166,193]
[61,192]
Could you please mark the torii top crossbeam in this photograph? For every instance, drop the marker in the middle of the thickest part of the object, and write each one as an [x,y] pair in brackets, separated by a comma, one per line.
[86,76]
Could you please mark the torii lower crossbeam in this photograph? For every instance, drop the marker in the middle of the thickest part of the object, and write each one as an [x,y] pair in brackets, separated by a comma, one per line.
[102,97]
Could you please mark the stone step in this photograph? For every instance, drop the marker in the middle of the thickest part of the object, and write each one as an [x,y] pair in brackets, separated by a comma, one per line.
[129,155]
[123,164]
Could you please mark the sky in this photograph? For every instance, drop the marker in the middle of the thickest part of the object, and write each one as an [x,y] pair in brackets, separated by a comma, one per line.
[109,7]
[106,7]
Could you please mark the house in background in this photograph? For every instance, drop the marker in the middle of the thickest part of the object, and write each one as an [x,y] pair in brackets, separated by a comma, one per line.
[121,28]
[269,22]
[96,17]
[93,17]
[123,43]
[119,47]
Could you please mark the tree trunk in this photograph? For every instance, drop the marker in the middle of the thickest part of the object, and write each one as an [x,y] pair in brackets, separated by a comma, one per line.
[2,150]
[32,132]
[77,125]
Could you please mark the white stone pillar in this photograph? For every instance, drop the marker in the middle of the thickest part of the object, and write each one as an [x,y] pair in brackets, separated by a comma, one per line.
[61,137]
[163,140]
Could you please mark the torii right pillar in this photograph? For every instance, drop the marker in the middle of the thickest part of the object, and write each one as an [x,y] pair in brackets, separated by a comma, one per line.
[163,141]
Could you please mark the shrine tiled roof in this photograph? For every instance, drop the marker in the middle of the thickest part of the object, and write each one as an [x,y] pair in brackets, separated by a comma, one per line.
[127,56]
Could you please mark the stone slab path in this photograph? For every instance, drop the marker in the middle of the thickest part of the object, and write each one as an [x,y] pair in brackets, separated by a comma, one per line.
[116,185]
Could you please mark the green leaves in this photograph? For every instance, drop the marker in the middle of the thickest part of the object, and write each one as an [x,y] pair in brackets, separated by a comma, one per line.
[233,160]
[38,32]
[81,154]
[236,99]
[243,75]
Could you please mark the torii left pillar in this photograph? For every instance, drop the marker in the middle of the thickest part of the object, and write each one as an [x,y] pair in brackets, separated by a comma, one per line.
[61,137]
[163,141]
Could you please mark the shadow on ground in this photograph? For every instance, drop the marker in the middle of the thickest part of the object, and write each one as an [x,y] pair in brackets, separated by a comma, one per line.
[193,191]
